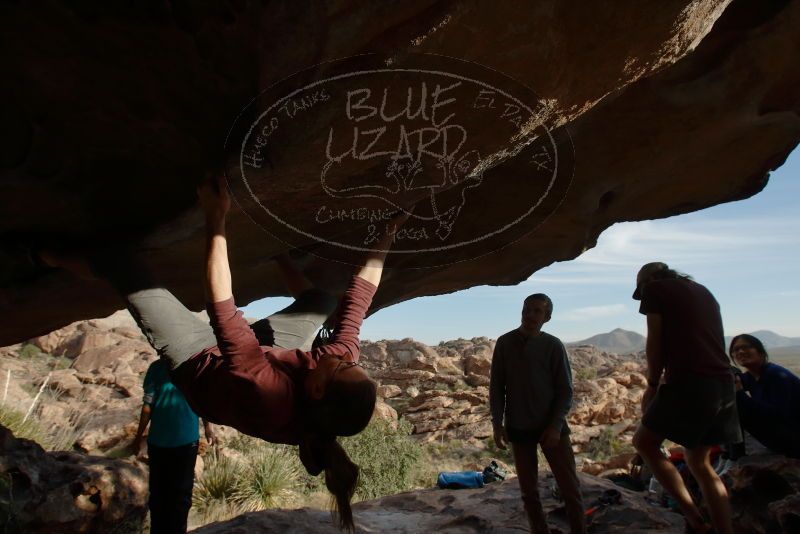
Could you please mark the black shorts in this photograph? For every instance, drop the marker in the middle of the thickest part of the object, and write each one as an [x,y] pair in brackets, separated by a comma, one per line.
[695,411]
[519,435]
[531,435]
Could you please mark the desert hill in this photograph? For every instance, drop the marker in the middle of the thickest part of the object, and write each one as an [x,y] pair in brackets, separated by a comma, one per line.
[782,349]
[618,341]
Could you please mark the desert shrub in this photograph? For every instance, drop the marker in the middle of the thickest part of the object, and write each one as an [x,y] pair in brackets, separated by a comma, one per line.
[605,445]
[57,363]
[265,477]
[216,487]
[62,432]
[387,456]
[29,352]
[15,421]
[270,477]
[243,443]
[585,373]
[52,434]
[503,455]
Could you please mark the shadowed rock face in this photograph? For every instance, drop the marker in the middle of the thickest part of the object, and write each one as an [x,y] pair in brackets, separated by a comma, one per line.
[116,113]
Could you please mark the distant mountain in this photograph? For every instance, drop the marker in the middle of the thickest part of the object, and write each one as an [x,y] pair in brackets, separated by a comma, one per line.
[770,339]
[618,340]
[624,341]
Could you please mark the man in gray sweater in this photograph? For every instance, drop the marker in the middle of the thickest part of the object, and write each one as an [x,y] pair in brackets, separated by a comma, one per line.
[530,395]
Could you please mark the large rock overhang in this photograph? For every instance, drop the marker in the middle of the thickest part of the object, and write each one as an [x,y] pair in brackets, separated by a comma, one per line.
[114,115]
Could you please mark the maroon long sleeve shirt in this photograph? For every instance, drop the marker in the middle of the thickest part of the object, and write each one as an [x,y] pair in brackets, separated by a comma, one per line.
[258,389]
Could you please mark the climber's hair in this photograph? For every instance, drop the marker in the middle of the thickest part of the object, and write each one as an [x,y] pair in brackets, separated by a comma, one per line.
[344,410]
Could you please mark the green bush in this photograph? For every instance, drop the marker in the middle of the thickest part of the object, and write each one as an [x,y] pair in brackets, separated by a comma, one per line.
[58,363]
[605,445]
[34,354]
[244,444]
[265,478]
[387,456]
[30,429]
[29,352]
[585,373]
[52,435]
[269,476]
[503,455]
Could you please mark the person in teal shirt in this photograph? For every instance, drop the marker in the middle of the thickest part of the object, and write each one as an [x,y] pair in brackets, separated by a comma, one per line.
[171,448]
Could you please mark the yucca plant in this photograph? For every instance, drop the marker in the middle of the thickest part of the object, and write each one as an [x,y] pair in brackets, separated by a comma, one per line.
[217,485]
[270,478]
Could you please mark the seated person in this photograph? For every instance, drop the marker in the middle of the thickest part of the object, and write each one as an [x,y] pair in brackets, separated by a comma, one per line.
[767,396]
[257,378]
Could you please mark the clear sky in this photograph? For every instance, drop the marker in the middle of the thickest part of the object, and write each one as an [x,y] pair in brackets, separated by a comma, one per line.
[747,253]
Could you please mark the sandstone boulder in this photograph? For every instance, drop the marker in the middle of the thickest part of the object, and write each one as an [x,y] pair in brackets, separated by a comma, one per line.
[389,390]
[49,343]
[384,411]
[765,492]
[70,492]
[477,364]
[101,357]
[66,382]
[476,380]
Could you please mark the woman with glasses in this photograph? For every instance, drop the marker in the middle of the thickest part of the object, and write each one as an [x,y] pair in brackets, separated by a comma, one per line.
[767,396]
[260,379]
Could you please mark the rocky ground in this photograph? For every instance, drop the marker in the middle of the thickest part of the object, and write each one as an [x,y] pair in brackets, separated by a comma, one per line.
[443,391]
[94,371]
[83,383]
[495,508]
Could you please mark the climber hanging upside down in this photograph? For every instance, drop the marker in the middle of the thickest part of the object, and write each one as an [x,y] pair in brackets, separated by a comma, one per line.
[257,378]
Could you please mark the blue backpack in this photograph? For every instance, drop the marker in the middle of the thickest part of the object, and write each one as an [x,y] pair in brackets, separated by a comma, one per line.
[460,480]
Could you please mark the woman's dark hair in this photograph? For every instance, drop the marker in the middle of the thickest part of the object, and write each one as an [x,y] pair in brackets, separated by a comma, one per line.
[752,340]
[341,479]
[344,410]
[324,453]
